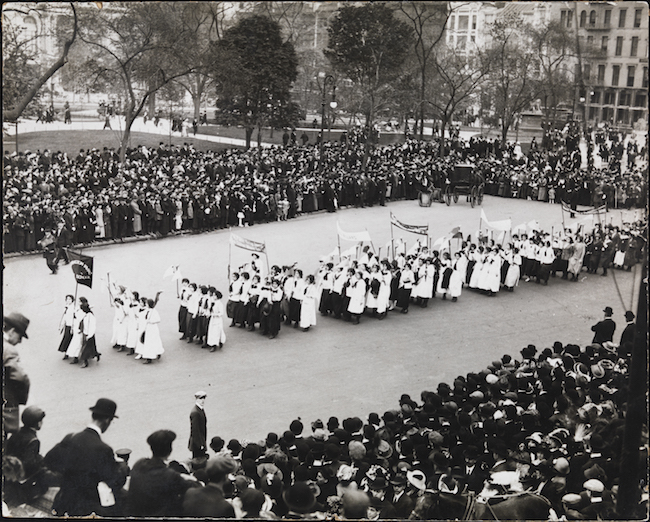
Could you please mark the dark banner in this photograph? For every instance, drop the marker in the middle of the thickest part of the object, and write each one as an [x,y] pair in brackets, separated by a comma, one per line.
[82,266]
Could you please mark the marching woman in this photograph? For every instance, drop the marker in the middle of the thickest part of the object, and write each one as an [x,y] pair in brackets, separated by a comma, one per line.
[576,260]
[308,306]
[153,347]
[295,299]
[252,308]
[514,270]
[132,313]
[357,293]
[457,276]
[338,291]
[76,343]
[193,298]
[203,317]
[182,308]
[446,271]
[117,292]
[65,326]
[275,313]
[234,298]
[479,257]
[490,279]
[88,327]
[141,315]
[326,284]
[216,334]
[374,285]
[383,299]
[244,296]
[406,280]
[120,325]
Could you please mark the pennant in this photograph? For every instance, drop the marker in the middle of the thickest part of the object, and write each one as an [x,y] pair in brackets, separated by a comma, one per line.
[422,230]
[414,249]
[170,271]
[246,244]
[438,243]
[350,252]
[82,266]
[505,224]
[177,275]
[357,237]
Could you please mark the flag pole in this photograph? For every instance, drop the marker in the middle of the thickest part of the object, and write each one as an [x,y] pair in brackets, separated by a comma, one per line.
[338,240]
[178,293]
[392,241]
[371,243]
[229,253]
[266,256]
[110,294]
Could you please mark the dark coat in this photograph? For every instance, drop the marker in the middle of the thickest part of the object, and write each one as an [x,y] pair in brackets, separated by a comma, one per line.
[207,502]
[156,490]
[628,335]
[84,461]
[603,331]
[25,446]
[198,430]
[16,388]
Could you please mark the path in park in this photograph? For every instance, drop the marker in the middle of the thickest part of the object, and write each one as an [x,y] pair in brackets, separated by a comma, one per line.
[256,385]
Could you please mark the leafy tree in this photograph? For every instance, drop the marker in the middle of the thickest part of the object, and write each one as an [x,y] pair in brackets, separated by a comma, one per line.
[256,72]
[369,45]
[22,79]
[513,63]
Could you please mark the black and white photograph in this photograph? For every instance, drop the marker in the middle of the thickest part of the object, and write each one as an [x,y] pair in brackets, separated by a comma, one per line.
[325,260]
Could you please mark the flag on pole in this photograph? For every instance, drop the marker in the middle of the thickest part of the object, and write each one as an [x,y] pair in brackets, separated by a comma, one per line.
[170,271]
[532,225]
[356,237]
[350,252]
[423,230]
[439,243]
[519,229]
[82,267]
[503,225]
[247,244]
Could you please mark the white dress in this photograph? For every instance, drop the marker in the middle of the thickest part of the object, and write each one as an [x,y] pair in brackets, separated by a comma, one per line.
[308,308]
[384,292]
[141,322]
[372,300]
[514,271]
[132,325]
[457,278]
[357,293]
[216,333]
[119,326]
[424,286]
[490,279]
[74,349]
[476,273]
[152,347]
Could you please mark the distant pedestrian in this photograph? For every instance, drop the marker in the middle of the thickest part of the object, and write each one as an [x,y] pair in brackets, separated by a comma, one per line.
[198,427]
[107,122]
[304,138]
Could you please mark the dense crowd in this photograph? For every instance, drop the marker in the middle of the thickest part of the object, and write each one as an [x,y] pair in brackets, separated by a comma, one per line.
[549,422]
[50,198]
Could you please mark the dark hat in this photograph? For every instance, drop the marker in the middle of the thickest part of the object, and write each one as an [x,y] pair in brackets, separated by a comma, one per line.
[629,316]
[252,500]
[220,466]
[160,441]
[608,311]
[105,407]
[299,498]
[398,479]
[18,322]
[32,415]
[296,427]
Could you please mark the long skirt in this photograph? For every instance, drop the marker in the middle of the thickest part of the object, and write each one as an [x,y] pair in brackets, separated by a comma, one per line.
[275,318]
[337,304]
[308,313]
[325,301]
[67,337]
[152,346]
[182,319]
[294,310]
[89,349]
[74,349]
[403,298]
[512,276]
[216,333]
[455,283]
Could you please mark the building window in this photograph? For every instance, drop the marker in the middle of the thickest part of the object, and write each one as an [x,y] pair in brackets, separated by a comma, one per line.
[637,18]
[603,43]
[619,45]
[595,97]
[608,98]
[624,98]
[630,75]
[621,17]
[452,22]
[592,19]
[586,73]
[590,42]
[608,18]
[639,100]
[474,22]
[583,18]
[635,46]
[616,71]
[645,78]
[569,18]
[463,23]
[601,73]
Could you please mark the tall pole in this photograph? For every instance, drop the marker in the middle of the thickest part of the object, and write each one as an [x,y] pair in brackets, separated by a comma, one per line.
[328,78]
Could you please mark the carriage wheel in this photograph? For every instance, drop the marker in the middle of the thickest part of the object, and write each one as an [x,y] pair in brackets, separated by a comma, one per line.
[480,195]
[455,196]
[473,197]
[448,195]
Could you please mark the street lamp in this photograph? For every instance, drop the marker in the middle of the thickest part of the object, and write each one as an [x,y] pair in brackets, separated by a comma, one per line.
[328,79]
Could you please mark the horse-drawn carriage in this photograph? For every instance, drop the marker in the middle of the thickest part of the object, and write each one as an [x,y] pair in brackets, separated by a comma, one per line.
[464,180]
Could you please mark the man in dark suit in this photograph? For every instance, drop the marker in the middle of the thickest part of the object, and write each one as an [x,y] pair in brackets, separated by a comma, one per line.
[198,427]
[209,501]
[401,501]
[89,468]
[604,330]
[155,489]
[627,337]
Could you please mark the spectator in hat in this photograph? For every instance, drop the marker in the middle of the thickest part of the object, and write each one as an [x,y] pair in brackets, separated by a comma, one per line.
[355,504]
[155,489]
[300,500]
[209,501]
[626,345]
[604,330]
[16,381]
[25,446]
[85,462]
[402,503]
[198,427]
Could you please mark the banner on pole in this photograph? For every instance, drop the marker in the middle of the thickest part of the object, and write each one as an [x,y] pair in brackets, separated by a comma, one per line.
[357,237]
[595,210]
[503,225]
[82,266]
[247,244]
[423,230]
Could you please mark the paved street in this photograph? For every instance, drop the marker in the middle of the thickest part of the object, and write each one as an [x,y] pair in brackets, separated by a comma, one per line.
[256,385]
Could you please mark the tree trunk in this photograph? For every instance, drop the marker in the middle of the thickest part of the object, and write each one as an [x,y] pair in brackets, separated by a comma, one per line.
[422,107]
[196,100]
[126,136]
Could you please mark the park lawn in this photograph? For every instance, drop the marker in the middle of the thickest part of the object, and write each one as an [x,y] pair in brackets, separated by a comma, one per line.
[70,141]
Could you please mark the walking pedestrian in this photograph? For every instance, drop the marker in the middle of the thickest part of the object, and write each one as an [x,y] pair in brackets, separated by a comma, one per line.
[88,327]
[198,427]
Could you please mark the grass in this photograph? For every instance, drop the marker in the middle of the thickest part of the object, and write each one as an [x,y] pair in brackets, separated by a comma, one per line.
[70,141]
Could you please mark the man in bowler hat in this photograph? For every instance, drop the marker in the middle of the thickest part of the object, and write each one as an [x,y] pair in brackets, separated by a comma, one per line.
[92,476]
[604,330]
[627,337]
[198,427]
[16,381]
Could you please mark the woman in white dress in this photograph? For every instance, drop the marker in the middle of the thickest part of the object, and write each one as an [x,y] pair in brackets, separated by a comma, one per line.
[357,293]
[458,273]
[132,307]
[76,343]
[479,257]
[514,270]
[119,326]
[383,299]
[216,334]
[153,347]
[308,307]
[490,280]
[141,321]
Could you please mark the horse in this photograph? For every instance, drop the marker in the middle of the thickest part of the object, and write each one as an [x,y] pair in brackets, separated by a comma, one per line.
[434,505]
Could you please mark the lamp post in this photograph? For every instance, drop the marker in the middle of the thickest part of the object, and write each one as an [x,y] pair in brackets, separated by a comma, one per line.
[328,79]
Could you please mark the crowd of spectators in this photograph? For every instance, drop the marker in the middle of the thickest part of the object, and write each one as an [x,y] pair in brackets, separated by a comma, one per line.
[549,422]
[163,190]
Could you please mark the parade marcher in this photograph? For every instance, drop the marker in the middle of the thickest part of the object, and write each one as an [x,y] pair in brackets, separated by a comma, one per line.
[357,294]
[406,280]
[308,304]
[153,348]
[514,269]
[577,258]
[91,474]
[216,335]
[182,308]
[88,327]
[326,285]
[66,323]
[76,343]
[198,427]
[132,308]
[275,311]
[604,330]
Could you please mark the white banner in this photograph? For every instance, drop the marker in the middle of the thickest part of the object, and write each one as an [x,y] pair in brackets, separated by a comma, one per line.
[356,237]
[503,225]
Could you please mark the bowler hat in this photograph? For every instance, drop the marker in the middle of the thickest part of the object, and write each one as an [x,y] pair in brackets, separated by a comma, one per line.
[105,407]
[629,316]
[32,415]
[608,311]
[18,322]
[299,498]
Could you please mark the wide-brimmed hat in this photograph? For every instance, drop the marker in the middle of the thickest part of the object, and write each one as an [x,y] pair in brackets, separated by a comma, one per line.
[417,479]
[18,322]
[105,407]
[299,498]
